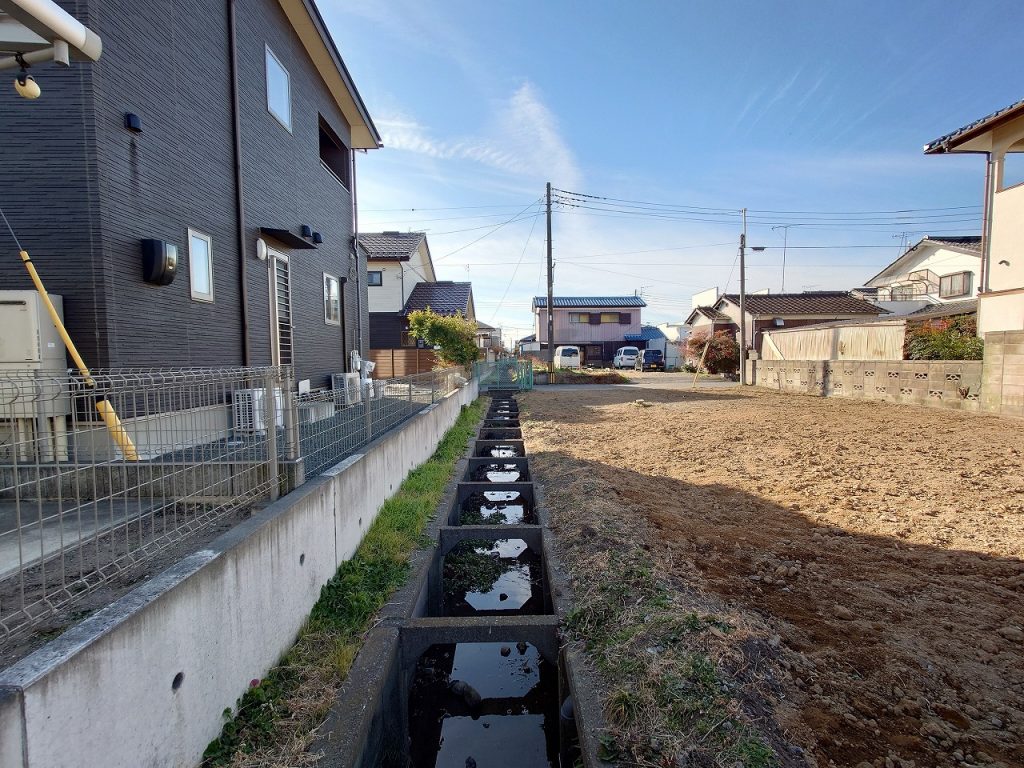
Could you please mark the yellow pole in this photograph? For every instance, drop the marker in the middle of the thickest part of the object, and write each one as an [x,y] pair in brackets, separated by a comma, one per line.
[697,372]
[117,431]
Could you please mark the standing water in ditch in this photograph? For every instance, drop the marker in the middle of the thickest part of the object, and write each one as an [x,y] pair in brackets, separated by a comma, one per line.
[491,705]
[498,472]
[495,508]
[492,577]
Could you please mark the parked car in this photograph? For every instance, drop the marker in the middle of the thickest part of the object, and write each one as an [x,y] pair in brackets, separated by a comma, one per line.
[625,357]
[567,357]
[650,360]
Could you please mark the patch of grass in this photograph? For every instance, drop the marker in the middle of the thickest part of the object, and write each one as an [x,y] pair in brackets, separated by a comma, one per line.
[668,697]
[275,717]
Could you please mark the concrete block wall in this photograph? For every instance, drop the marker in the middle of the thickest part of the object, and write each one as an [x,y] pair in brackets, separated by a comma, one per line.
[144,681]
[938,383]
[1002,389]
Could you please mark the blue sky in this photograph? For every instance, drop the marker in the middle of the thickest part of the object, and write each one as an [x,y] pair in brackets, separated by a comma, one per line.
[807,113]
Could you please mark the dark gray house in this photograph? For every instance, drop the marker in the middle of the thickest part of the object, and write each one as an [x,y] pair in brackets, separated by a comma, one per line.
[222,130]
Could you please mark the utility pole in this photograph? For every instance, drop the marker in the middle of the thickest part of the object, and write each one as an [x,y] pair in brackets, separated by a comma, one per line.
[551,297]
[785,242]
[743,301]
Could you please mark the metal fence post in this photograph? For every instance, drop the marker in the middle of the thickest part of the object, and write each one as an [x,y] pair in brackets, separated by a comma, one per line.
[270,421]
[292,438]
[367,412]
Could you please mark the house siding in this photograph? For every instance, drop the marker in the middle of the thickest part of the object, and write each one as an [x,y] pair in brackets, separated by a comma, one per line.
[82,191]
[49,180]
[582,333]
[386,330]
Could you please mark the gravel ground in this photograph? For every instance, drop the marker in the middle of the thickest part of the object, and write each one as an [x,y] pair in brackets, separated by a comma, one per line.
[876,550]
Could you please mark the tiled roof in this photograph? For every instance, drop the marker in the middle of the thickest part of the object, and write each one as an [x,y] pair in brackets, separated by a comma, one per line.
[444,297]
[969,242]
[484,326]
[597,302]
[945,143]
[712,314]
[965,307]
[647,333]
[397,246]
[810,303]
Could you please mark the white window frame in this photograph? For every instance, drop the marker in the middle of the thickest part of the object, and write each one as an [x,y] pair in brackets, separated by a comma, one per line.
[327,317]
[374,272]
[286,121]
[200,295]
[966,275]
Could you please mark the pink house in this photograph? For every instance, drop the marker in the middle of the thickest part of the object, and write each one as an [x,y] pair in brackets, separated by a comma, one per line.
[598,325]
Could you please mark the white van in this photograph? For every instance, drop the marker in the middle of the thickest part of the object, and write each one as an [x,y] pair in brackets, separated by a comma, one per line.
[567,357]
[625,357]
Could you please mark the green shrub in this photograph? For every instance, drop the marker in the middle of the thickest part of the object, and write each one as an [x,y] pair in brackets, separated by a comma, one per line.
[947,339]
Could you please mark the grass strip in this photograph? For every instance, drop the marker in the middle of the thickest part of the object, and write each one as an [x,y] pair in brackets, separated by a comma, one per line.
[275,718]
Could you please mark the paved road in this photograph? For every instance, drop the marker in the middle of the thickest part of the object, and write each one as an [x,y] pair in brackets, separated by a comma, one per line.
[649,380]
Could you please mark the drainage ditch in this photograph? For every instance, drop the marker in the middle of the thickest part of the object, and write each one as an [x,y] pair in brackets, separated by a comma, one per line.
[465,668]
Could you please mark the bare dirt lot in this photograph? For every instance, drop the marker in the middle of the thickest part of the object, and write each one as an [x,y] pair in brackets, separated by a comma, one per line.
[872,555]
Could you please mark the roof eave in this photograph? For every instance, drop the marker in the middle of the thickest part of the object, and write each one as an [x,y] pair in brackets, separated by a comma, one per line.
[309,25]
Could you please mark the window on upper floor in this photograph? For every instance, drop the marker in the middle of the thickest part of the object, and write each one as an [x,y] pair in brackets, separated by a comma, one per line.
[200,265]
[279,90]
[905,292]
[332,300]
[957,284]
[579,317]
[609,317]
[375,278]
[334,154]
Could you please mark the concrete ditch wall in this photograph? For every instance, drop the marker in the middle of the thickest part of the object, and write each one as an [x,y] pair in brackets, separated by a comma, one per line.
[144,681]
[940,384]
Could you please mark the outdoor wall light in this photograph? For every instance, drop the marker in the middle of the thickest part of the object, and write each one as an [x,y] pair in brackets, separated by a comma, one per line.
[318,238]
[307,231]
[261,249]
[26,86]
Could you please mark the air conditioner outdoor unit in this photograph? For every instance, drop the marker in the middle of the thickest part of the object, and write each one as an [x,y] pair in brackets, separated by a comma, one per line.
[348,388]
[313,411]
[249,409]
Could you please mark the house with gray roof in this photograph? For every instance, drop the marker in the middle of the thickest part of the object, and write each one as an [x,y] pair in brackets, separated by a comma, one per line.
[935,270]
[598,325]
[786,310]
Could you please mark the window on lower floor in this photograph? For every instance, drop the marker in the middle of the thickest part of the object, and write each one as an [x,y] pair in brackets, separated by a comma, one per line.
[375,278]
[957,284]
[408,340]
[332,300]
[200,265]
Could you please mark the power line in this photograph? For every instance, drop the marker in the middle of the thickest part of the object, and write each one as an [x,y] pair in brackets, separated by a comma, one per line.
[516,270]
[493,230]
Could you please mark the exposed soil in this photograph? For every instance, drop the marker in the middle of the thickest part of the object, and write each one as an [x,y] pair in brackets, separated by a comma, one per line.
[873,553]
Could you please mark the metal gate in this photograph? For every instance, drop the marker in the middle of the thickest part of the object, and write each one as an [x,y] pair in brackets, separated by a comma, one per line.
[506,373]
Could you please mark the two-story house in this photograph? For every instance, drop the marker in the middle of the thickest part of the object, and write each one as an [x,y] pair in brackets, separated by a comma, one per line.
[598,325]
[935,270]
[216,140]
[1001,279]
[396,262]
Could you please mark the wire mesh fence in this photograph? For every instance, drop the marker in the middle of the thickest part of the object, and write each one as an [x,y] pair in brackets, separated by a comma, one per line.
[99,475]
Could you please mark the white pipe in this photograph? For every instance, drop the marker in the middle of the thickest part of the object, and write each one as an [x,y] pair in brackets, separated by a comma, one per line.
[32,57]
[61,25]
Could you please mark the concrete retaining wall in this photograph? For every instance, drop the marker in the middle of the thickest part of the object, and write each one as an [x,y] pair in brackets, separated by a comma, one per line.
[942,384]
[144,682]
[1002,390]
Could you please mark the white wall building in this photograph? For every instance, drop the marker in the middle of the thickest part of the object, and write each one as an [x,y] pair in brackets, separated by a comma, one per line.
[935,270]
